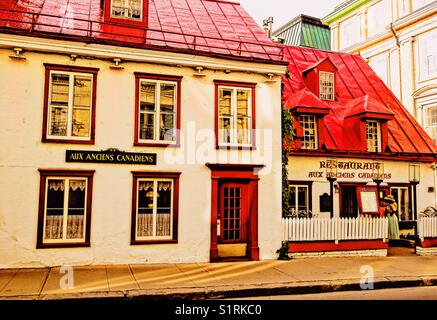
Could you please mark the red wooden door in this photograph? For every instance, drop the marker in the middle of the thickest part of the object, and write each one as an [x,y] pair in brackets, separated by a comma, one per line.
[233,213]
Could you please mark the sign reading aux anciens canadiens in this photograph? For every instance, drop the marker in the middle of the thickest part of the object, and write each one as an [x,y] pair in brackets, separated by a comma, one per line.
[349,170]
[111,156]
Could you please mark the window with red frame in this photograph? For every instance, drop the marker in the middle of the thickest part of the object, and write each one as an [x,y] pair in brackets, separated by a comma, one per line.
[158,110]
[155,207]
[235,114]
[69,108]
[308,124]
[127,9]
[65,208]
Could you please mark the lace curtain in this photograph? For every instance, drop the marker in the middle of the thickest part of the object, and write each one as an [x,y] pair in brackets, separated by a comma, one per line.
[162,185]
[60,185]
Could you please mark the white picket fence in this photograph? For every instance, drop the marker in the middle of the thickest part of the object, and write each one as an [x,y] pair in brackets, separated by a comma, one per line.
[334,229]
[427,227]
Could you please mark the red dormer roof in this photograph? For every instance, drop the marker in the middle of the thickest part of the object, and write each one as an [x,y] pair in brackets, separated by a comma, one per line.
[305,101]
[207,27]
[368,107]
[320,63]
[359,92]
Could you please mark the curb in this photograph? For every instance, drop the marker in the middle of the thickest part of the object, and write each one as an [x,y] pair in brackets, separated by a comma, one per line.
[240,291]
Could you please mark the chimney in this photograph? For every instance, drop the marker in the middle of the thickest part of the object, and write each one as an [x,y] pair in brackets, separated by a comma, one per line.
[267,26]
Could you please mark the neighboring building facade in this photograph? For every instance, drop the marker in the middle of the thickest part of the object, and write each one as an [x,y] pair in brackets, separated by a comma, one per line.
[398,38]
[304,31]
[354,142]
[137,132]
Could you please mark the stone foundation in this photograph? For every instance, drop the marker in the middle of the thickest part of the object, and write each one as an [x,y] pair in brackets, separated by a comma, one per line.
[331,254]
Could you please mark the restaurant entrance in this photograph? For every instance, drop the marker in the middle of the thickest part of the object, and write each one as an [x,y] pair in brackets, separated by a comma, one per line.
[348,201]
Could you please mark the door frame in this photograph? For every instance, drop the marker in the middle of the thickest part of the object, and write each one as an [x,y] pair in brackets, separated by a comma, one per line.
[238,173]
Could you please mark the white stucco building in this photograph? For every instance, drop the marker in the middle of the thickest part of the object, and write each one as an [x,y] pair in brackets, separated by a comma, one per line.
[135,135]
[398,38]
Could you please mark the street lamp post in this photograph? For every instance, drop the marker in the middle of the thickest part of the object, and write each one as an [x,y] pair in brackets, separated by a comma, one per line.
[378,175]
[414,177]
[331,176]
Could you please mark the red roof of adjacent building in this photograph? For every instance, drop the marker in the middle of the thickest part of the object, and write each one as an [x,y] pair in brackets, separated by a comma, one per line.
[208,27]
[358,90]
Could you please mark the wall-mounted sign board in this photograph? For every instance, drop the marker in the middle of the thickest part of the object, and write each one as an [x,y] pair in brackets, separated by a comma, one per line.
[368,200]
[110,156]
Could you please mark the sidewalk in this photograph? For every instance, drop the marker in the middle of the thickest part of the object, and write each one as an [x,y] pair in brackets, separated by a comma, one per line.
[218,280]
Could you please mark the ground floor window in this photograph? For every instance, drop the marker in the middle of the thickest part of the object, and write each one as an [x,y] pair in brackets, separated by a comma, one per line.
[402,197]
[65,208]
[300,198]
[155,207]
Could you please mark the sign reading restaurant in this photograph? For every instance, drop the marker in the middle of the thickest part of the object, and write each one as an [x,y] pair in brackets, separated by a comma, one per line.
[111,156]
[350,170]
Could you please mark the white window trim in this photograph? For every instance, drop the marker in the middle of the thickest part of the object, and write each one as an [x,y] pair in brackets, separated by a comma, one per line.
[296,187]
[157,112]
[154,214]
[316,131]
[234,130]
[398,188]
[65,212]
[129,18]
[333,85]
[378,136]
[69,135]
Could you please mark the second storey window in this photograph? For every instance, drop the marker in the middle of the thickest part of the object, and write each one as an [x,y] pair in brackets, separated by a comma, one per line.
[373,135]
[158,110]
[326,85]
[128,9]
[235,116]
[308,124]
[69,104]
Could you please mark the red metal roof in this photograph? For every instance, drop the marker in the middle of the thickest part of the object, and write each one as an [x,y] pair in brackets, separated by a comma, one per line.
[209,27]
[357,90]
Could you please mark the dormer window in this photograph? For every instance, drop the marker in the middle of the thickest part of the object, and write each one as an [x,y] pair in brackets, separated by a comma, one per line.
[373,134]
[127,9]
[326,85]
[308,124]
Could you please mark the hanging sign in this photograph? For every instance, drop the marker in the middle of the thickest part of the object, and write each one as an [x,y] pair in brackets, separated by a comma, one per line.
[111,156]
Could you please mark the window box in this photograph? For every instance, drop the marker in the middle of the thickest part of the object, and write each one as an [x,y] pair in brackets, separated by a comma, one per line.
[64,218]
[235,122]
[69,104]
[155,207]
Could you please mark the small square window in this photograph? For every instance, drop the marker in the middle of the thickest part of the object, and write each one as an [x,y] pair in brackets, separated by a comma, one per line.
[127,9]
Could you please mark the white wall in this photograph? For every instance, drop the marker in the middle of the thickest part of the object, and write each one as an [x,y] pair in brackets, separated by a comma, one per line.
[23,153]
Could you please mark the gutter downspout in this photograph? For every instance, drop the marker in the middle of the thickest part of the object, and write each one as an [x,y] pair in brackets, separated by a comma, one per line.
[398,44]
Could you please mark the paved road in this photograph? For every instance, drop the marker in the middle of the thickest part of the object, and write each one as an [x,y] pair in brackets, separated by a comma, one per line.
[415,293]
